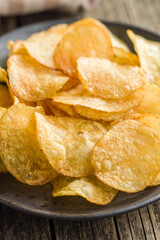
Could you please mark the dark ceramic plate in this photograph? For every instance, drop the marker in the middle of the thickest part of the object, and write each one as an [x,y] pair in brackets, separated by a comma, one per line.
[38,200]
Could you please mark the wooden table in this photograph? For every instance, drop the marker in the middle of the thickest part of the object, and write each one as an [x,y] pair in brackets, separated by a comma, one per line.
[137,225]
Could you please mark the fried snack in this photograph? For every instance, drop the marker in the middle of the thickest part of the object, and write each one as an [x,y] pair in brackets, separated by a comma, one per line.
[5,98]
[97,108]
[2,167]
[123,57]
[149,55]
[67,143]
[32,81]
[68,109]
[127,157]
[57,112]
[83,38]
[45,107]
[19,147]
[153,121]
[3,75]
[41,45]
[150,102]
[89,188]
[107,79]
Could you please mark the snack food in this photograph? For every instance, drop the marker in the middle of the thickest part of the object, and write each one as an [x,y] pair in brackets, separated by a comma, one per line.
[79,110]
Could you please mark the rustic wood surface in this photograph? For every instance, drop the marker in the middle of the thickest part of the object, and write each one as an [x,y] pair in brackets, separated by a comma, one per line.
[138,225]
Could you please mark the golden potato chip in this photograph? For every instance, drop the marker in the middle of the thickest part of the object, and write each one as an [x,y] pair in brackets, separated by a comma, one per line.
[3,75]
[89,188]
[153,121]
[17,47]
[107,79]
[88,38]
[45,107]
[2,111]
[71,83]
[57,112]
[19,147]
[151,99]
[128,156]
[68,109]
[67,143]
[32,81]
[117,42]
[5,98]
[123,57]
[97,108]
[41,45]
[3,169]
[149,55]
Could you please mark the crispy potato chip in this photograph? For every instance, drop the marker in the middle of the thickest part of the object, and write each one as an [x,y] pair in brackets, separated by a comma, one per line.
[45,107]
[19,147]
[2,167]
[153,121]
[107,79]
[57,112]
[123,57]
[117,42]
[32,81]
[5,98]
[67,143]
[97,108]
[89,188]
[41,45]
[68,109]
[128,156]
[149,55]
[151,100]
[71,83]
[83,38]
[17,47]
[3,75]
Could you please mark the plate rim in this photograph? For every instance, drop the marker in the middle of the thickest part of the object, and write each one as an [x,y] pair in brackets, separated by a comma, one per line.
[75,216]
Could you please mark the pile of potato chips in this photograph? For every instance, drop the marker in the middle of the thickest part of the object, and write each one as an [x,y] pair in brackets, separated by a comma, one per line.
[81,111]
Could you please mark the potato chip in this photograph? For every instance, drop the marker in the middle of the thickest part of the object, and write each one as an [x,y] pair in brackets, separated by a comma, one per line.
[107,79]
[41,45]
[149,55]
[123,57]
[97,108]
[151,100]
[88,38]
[68,109]
[57,112]
[5,98]
[117,42]
[17,47]
[89,188]
[67,143]
[45,107]
[3,169]
[19,147]
[3,75]
[127,157]
[32,81]
[71,83]
[2,111]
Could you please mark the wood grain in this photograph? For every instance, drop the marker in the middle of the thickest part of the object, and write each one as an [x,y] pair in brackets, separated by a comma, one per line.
[137,225]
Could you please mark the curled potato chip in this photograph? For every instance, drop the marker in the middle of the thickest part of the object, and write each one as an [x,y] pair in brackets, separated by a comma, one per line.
[41,45]
[123,57]
[5,98]
[71,83]
[149,55]
[17,47]
[2,167]
[45,107]
[2,111]
[19,147]
[68,109]
[151,99]
[83,38]
[3,75]
[128,156]
[107,79]
[67,143]
[89,188]
[97,108]
[32,81]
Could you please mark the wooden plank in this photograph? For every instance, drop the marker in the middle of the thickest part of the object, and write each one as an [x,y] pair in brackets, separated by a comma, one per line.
[104,229]
[136,226]
[154,211]
[123,227]
[147,224]
[69,230]
[16,225]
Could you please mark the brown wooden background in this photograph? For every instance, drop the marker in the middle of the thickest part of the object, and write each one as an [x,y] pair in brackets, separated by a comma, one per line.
[137,225]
